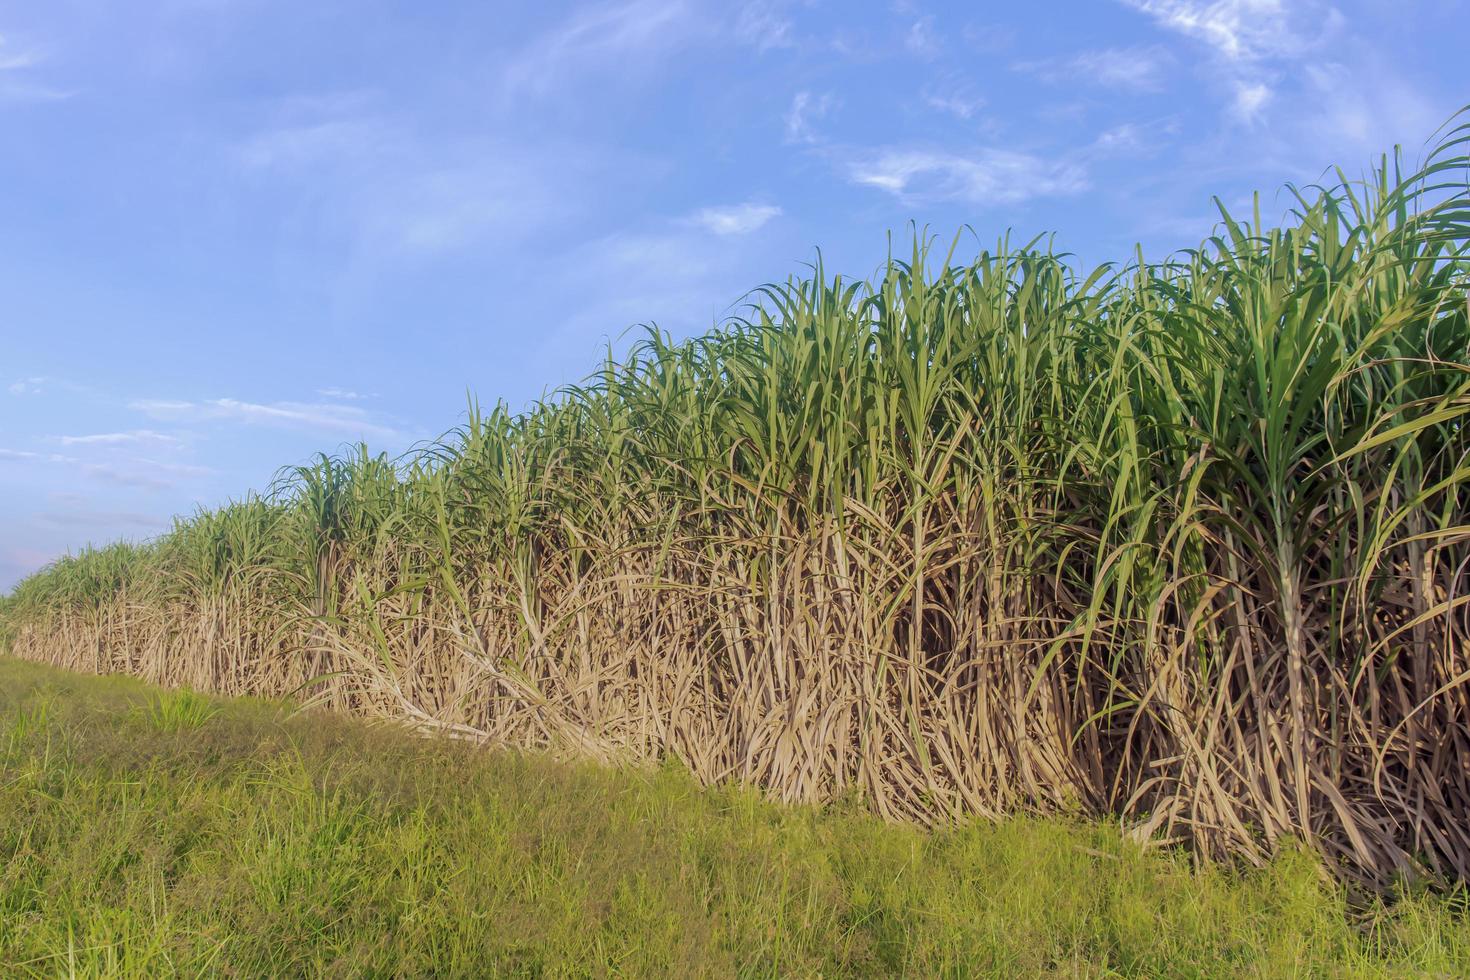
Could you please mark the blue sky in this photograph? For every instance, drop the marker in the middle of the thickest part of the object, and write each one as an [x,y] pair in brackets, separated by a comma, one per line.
[236,232]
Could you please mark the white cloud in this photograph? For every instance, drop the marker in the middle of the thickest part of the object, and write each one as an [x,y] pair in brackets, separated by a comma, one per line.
[132,472]
[1139,68]
[16,77]
[1118,139]
[133,437]
[988,38]
[1250,41]
[332,418]
[736,219]
[1343,111]
[921,39]
[806,108]
[597,36]
[1235,29]
[761,25]
[1133,138]
[1250,99]
[140,474]
[983,178]
[28,386]
[619,38]
[161,408]
[959,101]
[325,417]
[13,58]
[342,394]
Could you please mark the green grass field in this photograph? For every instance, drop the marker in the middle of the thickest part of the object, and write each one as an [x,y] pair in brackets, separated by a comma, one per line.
[154,833]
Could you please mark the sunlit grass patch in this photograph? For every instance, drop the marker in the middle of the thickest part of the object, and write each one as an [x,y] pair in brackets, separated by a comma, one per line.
[178,711]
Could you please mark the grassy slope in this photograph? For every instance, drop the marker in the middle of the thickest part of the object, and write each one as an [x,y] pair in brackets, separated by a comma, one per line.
[147,833]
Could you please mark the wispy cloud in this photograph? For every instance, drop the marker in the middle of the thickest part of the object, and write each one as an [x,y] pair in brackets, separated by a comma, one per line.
[161,408]
[13,58]
[988,38]
[1133,138]
[142,474]
[343,394]
[596,37]
[1118,139]
[122,476]
[922,40]
[1251,97]
[806,109]
[28,386]
[736,219]
[986,177]
[133,472]
[1249,40]
[103,519]
[763,25]
[375,179]
[623,38]
[1239,30]
[294,146]
[320,417]
[17,81]
[959,100]
[325,417]
[1344,110]
[455,206]
[1138,68]
[133,437]
[674,274]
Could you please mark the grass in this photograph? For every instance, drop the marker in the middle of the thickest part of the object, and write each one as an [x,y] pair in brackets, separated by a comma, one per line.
[1182,544]
[178,711]
[260,841]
